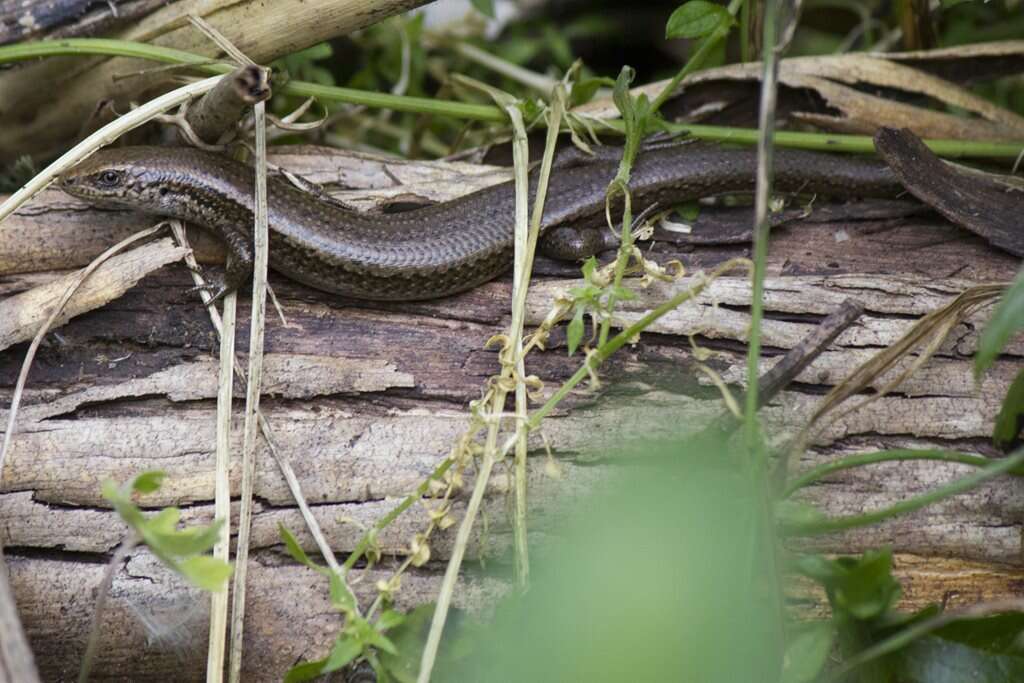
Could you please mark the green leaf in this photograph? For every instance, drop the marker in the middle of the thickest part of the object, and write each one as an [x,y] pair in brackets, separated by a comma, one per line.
[206,572]
[557,45]
[1007,319]
[165,521]
[306,671]
[367,634]
[623,293]
[620,93]
[868,590]
[148,482]
[806,652]
[574,331]
[688,211]
[1011,416]
[184,542]
[110,491]
[296,551]
[388,619]
[409,638]
[1000,633]
[589,268]
[935,660]
[696,19]
[859,587]
[485,7]
[341,597]
[344,651]
[584,90]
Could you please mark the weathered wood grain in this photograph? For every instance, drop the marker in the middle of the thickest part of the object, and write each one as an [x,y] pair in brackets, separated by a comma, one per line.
[366,398]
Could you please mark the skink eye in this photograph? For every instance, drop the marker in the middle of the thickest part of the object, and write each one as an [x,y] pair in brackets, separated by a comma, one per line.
[109,178]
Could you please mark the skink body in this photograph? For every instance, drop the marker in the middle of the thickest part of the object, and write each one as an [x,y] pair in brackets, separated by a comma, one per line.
[435,250]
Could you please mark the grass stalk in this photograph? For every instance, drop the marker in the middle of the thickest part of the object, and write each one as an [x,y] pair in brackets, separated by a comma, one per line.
[252,399]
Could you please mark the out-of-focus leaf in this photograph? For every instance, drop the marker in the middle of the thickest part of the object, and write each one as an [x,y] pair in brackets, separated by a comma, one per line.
[807,652]
[485,7]
[1007,319]
[1000,633]
[861,587]
[936,660]
[1010,420]
[696,19]
[306,671]
[341,596]
[148,482]
[296,551]
[574,331]
[343,652]
[206,572]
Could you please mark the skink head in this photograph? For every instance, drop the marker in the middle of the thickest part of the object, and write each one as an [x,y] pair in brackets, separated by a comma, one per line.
[119,177]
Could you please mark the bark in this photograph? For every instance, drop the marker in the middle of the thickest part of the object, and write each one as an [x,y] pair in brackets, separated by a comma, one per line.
[366,398]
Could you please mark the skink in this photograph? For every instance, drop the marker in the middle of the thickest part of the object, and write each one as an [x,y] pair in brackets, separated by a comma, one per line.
[440,249]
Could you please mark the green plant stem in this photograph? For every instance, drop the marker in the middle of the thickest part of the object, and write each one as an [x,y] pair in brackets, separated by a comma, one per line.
[895,455]
[905,636]
[603,352]
[746,54]
[765,153]
[383,522]
[697,59]
[123,48]
[916,503]
[825,142]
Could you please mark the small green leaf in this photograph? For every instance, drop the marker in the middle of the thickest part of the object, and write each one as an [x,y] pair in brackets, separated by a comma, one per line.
[165,521]
[1011,416]
[381,642]
[148,482]
[807,652]
[184,542]
[620,93]
[344,651]
[296,551]
[1007,319]
[584,90]
[869,588]
[623,293]
[341,597]
[696,19]
[574,331]
[306,671]
[485,7]
[688,211]
[585,293]
[859,587]
[111,491]
[389,618]
[589,267]
[206,572]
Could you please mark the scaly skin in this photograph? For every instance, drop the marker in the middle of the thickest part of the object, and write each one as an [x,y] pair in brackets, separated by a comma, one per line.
[435,250]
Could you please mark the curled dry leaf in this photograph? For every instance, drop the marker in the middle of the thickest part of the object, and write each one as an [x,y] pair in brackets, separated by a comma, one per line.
[845,87]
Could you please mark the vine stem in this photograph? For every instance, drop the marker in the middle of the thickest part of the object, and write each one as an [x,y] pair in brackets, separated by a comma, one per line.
[896,455]
[962,485]
[826,142]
